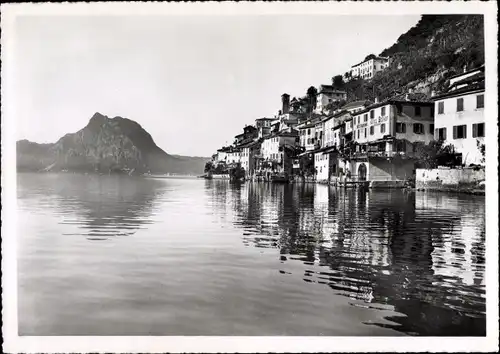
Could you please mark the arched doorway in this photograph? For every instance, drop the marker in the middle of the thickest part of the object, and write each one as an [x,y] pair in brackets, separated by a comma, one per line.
[362,172]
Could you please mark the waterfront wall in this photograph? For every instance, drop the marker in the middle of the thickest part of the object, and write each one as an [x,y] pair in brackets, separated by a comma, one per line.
[448,179]
[220,176]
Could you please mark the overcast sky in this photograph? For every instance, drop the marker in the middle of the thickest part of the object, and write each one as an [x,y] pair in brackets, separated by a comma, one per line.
[192,82]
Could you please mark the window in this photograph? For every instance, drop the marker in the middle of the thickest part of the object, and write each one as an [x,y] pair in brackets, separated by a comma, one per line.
[440,107]
[382,111]
[400,146]
[382,128]
[460,104]
[372,130]
[400,127]
[351,124]
[478,130]
[372,114]
[480,101]
[365,132]
[431,128]
[308,131]
[366,117]
[417,111]
[459,131]
[418,128]
[358,134]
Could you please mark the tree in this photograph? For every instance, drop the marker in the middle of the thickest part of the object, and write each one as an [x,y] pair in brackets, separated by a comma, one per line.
[436,154]
[482,150]
[338,82]
[370,56]
[236,173]
[209,166]
[312,92]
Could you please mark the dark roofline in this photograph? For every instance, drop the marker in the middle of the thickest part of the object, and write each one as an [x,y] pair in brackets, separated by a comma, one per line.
[364,61]
[467,72]
[355,103]
[264,118]
[460,92]
[342,112]
[472,78]
[393,101]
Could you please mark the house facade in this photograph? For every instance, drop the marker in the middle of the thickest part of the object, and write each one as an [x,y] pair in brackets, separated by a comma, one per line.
[263,126]
[328,94]
[368,68]
[273,152]
[307,135]
[459,116]
[385,140]
[249,154]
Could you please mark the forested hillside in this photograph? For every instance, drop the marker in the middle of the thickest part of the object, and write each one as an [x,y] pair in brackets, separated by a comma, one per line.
[422,59]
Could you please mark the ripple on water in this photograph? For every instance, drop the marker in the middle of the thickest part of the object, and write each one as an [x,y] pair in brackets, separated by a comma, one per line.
[207,257]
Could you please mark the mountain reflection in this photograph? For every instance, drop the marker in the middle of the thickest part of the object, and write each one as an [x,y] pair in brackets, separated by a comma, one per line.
[420,254]
[98,207]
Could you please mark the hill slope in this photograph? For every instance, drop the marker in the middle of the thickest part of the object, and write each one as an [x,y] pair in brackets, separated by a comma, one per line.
[422,59]
[105,144]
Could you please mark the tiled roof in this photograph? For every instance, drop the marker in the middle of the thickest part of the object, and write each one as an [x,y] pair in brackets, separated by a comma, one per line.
[475,77]
[481,68]
[355,104]
[364,61]
[470,88]
[394,101]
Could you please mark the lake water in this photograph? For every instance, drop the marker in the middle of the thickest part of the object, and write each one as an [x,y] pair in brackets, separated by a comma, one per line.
[116,255]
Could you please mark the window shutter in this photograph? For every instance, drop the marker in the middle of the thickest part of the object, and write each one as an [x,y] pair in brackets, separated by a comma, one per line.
[465,132]
[444,133]
[436,134]
[474,130]
[454,132]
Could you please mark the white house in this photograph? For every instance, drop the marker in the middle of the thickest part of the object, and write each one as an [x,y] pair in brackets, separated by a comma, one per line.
[355,106]
[368,68]
[328,94]
[388,130]
[459,116]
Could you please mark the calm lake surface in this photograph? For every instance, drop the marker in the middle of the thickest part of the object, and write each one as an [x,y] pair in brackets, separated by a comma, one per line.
[116,255]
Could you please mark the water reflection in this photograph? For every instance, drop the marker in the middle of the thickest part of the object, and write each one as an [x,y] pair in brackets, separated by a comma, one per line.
[420,255]
[97,207]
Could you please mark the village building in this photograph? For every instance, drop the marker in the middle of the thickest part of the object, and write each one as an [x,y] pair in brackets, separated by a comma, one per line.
[307,135]
[274,156]
[327,159]
[263,126]
[355,106]
[249,153]
[221,155]
[233,156]
[369,67]
[459,115]
[328,94]
[385,138]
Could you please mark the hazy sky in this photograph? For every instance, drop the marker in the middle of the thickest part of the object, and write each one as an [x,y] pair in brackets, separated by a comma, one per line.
[192,82]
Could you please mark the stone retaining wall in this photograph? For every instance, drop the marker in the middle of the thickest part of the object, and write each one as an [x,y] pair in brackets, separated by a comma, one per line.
[448,179]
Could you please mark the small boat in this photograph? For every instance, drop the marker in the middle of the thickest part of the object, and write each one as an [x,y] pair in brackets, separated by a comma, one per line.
[280,178]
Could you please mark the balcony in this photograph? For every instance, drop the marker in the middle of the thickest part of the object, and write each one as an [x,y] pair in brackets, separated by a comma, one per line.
[381,154]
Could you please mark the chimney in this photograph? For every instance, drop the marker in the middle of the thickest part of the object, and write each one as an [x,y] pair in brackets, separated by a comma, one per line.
[285,99]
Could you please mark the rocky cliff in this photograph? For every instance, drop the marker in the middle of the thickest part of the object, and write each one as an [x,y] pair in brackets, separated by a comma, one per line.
[105,145]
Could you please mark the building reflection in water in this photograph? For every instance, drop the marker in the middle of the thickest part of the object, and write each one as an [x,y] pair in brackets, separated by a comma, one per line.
[422,255]
[98,207]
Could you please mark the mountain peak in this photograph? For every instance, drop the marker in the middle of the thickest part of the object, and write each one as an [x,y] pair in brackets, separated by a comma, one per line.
[104,145]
